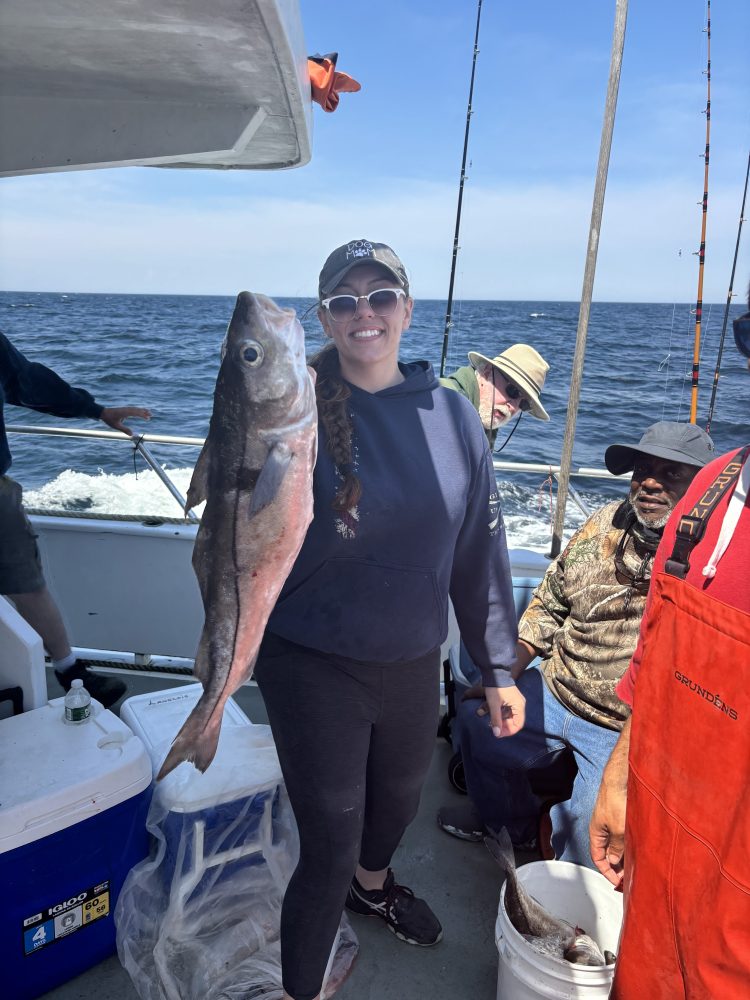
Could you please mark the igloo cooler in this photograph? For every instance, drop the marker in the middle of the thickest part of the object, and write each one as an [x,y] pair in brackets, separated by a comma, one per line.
[73,804]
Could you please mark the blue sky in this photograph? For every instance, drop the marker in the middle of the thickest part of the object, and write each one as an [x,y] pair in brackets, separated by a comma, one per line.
[385,166]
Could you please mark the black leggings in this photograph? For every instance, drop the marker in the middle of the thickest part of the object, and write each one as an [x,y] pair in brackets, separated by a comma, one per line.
[355,741]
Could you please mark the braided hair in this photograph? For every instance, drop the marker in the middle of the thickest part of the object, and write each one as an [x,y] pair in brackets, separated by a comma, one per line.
[332,393]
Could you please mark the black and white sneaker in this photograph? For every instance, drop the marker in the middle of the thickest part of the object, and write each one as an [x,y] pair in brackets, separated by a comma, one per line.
[407,916]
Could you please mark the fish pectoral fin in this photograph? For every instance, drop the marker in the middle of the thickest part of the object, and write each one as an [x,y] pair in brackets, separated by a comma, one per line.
[271,477]
[198,488]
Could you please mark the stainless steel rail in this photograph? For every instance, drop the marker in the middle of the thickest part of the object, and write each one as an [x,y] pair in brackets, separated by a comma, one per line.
[143,450]
[584,472]
[81,432]
[138,442]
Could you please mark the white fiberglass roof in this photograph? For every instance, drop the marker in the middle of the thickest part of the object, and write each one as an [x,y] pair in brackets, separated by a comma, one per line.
[200,83]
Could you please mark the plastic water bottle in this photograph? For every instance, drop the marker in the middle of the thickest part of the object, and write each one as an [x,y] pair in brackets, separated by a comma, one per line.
[77,704]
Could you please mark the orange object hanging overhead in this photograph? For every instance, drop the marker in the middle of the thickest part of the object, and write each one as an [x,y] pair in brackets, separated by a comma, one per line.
[326,83]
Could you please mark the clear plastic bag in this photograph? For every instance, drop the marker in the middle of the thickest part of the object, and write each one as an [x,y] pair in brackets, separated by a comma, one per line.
[199,919]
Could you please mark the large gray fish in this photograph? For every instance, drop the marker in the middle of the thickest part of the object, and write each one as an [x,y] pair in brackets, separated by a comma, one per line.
[255,473]
[551,935]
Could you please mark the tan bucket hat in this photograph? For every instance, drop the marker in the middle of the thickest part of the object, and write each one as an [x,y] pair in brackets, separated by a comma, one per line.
[525,368]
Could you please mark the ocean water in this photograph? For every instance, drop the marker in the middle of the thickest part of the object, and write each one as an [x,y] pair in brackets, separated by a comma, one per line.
[162,351]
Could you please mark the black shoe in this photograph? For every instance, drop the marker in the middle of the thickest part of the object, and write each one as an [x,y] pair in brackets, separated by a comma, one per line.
[407,916]
[106,690]
[463,822]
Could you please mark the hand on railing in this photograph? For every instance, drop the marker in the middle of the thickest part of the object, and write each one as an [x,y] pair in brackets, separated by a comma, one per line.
[113,416]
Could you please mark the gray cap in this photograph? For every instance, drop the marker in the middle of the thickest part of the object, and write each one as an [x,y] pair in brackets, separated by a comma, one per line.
[357,252]
[668,439]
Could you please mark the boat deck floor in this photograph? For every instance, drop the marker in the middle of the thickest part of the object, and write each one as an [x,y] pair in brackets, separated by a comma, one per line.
[460,881]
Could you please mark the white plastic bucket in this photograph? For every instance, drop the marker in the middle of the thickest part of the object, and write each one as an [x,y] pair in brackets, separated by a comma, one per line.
[579,895]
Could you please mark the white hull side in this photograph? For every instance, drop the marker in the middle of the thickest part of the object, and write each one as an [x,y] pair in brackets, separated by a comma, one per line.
[123,586]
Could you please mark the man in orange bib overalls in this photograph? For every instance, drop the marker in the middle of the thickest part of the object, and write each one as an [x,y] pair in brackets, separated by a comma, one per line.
[683,759]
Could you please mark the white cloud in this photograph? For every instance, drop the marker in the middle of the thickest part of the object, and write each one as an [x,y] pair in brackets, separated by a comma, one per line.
[526,242]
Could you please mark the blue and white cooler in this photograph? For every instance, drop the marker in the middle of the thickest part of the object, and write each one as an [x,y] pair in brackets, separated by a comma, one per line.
[229,814]
[73,805]
[201,916]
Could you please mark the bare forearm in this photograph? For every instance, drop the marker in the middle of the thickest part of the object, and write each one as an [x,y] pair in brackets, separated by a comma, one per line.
[607,826]
[525,653]
[615,774]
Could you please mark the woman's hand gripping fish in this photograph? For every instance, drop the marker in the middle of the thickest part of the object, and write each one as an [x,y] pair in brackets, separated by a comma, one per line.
[549,934]
[255,472]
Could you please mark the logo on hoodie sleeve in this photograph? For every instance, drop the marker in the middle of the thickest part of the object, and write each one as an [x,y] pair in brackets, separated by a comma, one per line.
[495,522]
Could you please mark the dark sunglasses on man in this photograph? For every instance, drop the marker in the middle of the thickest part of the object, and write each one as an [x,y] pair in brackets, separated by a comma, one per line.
[511,391]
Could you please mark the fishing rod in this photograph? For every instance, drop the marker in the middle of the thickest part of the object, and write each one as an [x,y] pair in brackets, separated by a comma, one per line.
[702,250]
[587,291]
[469,112]
[730,295]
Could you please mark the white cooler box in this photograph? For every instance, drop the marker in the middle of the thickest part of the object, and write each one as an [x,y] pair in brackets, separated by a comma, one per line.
[72,824]
[201,825]
[230,840]
[157,718]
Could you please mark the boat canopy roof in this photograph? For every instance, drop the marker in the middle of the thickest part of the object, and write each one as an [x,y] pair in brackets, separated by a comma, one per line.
[178,83]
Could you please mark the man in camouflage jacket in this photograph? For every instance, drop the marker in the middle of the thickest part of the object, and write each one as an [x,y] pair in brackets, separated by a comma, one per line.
[583,622]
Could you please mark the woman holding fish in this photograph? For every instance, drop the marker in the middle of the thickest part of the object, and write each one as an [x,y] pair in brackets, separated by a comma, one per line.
[406,513]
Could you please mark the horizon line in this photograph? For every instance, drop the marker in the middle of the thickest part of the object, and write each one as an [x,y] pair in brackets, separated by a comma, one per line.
[309,298]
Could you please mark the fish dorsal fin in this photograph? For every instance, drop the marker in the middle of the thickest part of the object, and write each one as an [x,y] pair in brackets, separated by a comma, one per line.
[271,476]
[198,489]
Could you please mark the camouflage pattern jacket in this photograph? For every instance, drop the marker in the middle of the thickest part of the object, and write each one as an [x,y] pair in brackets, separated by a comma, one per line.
[585,621]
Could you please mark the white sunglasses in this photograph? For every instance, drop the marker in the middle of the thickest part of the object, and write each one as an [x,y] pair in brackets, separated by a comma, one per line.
[382,301]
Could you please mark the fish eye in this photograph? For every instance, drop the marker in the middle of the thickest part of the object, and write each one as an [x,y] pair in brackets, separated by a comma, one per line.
[252,352]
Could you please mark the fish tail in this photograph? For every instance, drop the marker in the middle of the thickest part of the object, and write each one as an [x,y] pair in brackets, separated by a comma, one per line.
[501,848]
[196,742]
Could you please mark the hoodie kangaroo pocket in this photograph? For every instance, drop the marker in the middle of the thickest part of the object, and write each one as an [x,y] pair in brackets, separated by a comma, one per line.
[365,611]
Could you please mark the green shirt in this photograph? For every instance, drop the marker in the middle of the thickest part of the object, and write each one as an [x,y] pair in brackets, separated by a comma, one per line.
[464,380]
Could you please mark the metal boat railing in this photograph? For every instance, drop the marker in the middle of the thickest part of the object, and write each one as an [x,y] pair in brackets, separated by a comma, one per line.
[172,659]
[580,471]
[139,444]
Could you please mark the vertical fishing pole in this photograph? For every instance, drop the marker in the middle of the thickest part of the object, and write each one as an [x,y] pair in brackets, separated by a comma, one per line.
[702,250]
[595,225]
[730,294]
[449,310]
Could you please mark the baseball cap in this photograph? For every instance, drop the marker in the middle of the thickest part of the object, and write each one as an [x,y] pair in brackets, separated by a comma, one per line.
[352,254]
[668,439]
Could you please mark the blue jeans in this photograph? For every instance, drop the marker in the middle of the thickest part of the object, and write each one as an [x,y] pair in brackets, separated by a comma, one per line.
[496,769]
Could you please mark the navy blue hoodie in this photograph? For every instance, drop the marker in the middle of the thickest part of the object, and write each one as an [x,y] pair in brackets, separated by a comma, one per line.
[26,383]
[372,584]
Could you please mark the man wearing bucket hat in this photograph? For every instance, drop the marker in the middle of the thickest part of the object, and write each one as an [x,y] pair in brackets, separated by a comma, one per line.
[583,622]
[499,388]
[681,762]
